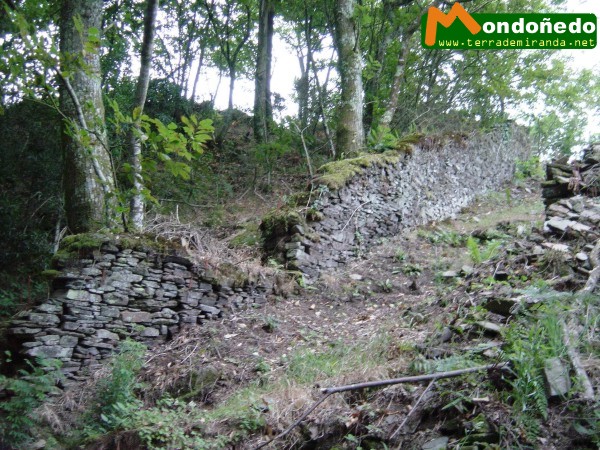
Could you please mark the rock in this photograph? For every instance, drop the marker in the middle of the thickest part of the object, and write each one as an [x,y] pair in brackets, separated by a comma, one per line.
[115,298]
[355,277]
[450,274]
[68,341]
[467,270]
[556,376]
[44,319]
[51,351]
[489,327]
[557,247]
[445,335]
[150,332]
[501,305]
[105,334]
[136,316]
[440,443]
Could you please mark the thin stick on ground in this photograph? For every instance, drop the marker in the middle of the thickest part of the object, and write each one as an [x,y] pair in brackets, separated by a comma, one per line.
[412,379]
[595,273]
[571,336]
[586,385]
[353,387]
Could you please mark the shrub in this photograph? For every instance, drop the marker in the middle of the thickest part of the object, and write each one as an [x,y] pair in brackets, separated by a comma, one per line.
[25,393]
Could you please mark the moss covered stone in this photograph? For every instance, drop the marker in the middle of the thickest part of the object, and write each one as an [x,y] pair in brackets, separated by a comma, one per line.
[89,245]
[335,175]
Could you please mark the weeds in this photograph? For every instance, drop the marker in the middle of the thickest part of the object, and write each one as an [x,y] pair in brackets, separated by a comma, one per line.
[25,393]
[480,255]
[447,237]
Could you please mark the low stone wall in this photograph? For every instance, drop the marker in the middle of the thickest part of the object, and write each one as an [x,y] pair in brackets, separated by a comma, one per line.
[361,200]
[105,293]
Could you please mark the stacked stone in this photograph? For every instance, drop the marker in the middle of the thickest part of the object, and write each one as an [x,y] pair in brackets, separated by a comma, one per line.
[564,180]
[571,216]
[120,293]
[430,184]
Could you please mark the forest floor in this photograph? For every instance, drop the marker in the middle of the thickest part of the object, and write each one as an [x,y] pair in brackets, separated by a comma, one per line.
[412,304]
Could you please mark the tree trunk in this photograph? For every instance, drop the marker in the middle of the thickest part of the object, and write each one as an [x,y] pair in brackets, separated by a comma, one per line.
[88,180]
[350,132]
[136,207]
[320,95]
[263,111]
[392,104]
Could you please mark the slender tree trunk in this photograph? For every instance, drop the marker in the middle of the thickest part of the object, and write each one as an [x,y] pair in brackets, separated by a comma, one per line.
[136,207]
[372,85]
[392,103]
[320,95]
[263,111]
[228,118]
[197,77]
[302,86]
[88,180]
[350,131]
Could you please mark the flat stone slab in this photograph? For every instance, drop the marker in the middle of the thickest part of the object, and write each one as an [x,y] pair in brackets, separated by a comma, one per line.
[556,375]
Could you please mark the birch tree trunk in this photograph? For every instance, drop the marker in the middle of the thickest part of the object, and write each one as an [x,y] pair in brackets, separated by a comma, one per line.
[263,111]
[350,131]
[88,176]
[136,211]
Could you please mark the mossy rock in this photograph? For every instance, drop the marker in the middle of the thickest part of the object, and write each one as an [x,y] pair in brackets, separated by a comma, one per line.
[276,227]
[335,175]
[89,245]
[248,237]
[280,222]
[228,275]
[50,274]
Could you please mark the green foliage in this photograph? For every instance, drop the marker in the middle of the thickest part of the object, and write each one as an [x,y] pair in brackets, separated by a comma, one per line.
[480,255]
[381,139]
[400,255]
[448,237]
[173,424]
[117,401]
[23,394]
[170,148]
[531,168]
[412,269]
[530,340]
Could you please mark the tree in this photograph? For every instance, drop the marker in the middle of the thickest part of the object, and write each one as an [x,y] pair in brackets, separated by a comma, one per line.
[136,211]
[263,110]
[350,131]
[231,22]
[88,176]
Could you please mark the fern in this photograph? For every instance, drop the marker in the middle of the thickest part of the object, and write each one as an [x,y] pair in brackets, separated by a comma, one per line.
[474,252]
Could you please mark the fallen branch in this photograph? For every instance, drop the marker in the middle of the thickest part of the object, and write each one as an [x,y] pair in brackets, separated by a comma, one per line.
[595,273]
[570,335]
[352,387]
[413,379]
[568,338]
[354,212]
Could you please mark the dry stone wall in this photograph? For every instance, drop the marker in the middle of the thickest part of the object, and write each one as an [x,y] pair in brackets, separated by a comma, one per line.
[113,293]
[387,194]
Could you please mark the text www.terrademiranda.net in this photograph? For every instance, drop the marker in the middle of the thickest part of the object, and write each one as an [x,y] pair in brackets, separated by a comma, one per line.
[516,43]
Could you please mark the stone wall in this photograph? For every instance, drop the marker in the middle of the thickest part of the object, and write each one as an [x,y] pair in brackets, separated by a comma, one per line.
[108,292]
[358,201]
